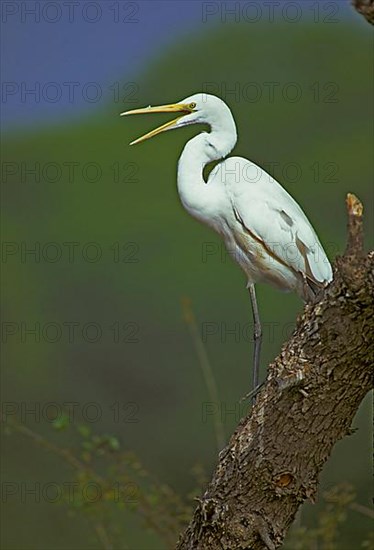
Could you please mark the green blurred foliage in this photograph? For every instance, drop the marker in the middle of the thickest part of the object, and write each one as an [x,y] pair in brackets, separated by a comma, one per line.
[155,379]
[108,485]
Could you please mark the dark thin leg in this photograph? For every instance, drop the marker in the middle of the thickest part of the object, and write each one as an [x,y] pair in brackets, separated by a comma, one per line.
[257,337]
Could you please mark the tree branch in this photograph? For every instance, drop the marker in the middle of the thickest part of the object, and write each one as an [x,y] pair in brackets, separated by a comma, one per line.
[366,8]
[312,392]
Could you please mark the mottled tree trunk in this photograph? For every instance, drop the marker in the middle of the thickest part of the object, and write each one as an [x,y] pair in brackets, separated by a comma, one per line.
[312,392]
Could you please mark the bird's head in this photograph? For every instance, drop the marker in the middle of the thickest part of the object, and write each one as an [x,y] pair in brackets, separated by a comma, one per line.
[199,108]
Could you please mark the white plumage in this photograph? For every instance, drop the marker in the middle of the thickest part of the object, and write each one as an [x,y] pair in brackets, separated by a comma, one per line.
[263,227]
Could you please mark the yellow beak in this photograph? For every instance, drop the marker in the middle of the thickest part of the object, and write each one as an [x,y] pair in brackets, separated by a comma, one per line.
[172,108]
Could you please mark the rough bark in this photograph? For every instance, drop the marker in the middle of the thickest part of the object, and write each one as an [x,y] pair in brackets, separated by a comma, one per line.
[312,392]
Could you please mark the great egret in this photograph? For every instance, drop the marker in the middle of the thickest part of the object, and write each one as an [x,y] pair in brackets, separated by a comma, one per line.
[264,229]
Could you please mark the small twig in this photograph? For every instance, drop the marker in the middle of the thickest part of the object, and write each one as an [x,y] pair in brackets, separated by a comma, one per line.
[43,442]
[103,537]
[364,510]
[206,368]
[145,509]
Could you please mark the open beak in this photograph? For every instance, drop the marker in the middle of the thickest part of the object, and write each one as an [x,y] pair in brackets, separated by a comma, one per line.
[185,109]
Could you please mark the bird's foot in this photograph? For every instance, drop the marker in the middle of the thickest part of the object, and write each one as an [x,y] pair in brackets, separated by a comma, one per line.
[252,394]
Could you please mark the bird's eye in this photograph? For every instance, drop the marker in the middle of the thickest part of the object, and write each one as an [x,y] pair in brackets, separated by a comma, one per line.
[192,105]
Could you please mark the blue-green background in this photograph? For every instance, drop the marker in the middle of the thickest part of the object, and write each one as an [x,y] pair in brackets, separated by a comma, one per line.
[162,62]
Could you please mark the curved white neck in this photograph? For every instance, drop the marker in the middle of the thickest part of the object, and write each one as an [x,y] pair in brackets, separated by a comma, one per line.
[195,194]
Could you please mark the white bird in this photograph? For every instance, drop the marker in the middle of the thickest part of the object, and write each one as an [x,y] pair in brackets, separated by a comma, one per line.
[263,227]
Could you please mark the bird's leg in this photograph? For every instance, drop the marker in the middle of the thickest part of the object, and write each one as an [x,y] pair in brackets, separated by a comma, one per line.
[257,337]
